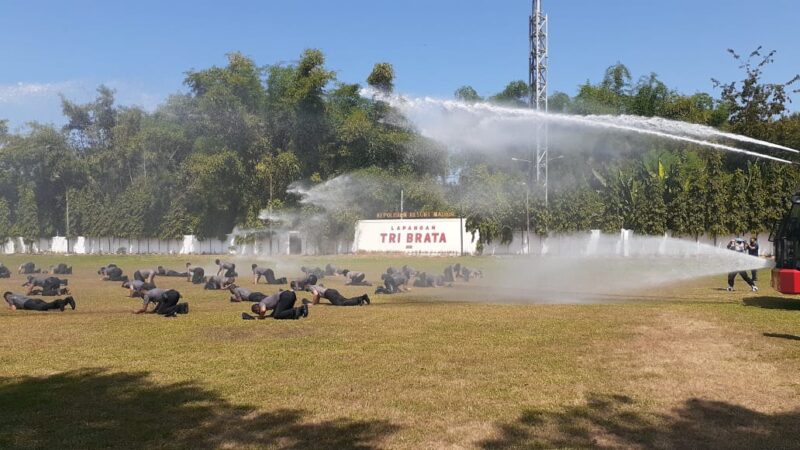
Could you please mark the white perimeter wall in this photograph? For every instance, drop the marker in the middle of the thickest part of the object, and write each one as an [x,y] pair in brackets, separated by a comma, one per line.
[414,236]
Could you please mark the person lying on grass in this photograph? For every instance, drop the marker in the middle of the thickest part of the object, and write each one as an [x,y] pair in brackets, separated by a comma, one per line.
[282,306]
[112,272]
[229,269]
[356,278]
[18,301]
[147,275]
[301,283]
[27,268]
[137,287]
[268,275]
[195,274]
[161,271]
[333,296]
[165,303]
[4,271]
[218,282]
[60,269]
[240,294]
[393,283]
[47,284]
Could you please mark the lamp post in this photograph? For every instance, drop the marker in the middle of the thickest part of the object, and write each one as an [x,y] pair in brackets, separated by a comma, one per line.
[527,209]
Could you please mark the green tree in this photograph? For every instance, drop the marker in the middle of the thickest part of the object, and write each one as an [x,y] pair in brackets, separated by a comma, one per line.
[467,94]
[516,93]
[716,200]
[27,215]
[382,77]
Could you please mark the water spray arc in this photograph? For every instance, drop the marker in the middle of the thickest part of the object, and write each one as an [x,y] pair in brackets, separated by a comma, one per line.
[537,85]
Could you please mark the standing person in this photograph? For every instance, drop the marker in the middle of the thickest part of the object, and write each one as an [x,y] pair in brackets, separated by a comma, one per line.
[738,245]
[333,296]
[282,306]
[752,250]
[268,275]
[17,301]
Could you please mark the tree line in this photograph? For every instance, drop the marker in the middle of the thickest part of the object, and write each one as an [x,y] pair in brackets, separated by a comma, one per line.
[218,155]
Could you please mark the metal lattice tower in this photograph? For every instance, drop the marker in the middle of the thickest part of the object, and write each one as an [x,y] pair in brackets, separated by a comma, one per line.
[537,84]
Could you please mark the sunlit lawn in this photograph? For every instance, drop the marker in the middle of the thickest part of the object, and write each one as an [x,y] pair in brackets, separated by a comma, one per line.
[683,366]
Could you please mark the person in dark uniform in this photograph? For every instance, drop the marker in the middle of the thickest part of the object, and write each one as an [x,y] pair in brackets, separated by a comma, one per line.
[137,287]
[112,272]
[240,294]
[738,245]
[4,272]
[316,271]
[28,268]
[218,282]
[195,274]
[48,285]
[161,271]
[356,278]
[282,306]
[147,275]
[300,284]
[393,283]
[60,269]
[165,303]
[17,301]
[752,250]
[333,296]
[229,269]
[268,275]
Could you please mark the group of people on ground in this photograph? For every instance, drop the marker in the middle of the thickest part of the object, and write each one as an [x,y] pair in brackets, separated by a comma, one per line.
[166,302]
[40,286]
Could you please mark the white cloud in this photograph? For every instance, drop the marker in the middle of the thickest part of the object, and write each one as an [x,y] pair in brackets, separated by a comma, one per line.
[23,102]
[21,92]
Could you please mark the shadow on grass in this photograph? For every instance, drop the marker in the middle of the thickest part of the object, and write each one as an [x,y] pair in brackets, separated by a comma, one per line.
[790,337]
[789,304]
[613,421]
[99,409]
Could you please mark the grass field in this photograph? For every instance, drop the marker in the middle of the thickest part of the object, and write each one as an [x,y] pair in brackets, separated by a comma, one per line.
[681,366]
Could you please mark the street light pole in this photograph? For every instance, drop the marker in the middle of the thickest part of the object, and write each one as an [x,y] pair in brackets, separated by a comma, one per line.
[527,219]
[527,208]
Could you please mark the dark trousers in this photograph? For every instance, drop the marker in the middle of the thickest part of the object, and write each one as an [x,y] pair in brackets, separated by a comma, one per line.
[310,280]
[285,308]
[745,277]
[255,297]
[359,279]
[169,303]
[448,274]
[754,275]
[391,285]
[198,275]
[269,275]
[40,305]
[338,299]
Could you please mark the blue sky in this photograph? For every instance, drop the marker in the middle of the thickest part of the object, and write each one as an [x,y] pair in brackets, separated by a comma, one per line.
[142,48]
